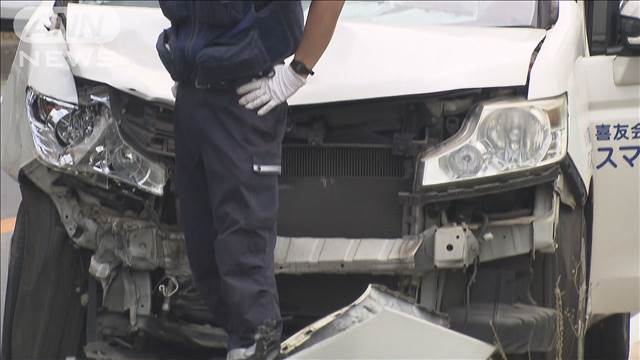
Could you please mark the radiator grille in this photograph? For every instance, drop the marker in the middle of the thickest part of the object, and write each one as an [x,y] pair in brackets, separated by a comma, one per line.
[351,161]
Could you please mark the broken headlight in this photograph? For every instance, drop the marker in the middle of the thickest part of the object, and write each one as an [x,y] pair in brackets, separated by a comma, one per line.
[85,138]
[500,137]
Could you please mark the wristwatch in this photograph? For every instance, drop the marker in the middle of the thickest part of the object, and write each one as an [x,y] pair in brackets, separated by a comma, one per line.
[300,68]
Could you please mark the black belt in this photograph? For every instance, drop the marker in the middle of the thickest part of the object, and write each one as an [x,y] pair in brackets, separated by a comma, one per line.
[225,84]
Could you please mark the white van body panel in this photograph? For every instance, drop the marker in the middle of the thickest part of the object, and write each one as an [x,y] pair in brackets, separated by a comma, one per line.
[552,74]
[615,260]
[600,92]
[443,58]
[40,63]
[363,60]
[555,61]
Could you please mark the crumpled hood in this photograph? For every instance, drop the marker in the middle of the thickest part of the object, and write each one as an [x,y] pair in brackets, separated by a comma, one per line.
[363,60]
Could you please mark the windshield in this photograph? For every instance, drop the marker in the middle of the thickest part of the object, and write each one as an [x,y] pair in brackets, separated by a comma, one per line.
[519,13]
[141,3]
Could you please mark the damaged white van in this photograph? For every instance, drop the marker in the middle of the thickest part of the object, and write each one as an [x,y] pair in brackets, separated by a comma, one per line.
[461,180]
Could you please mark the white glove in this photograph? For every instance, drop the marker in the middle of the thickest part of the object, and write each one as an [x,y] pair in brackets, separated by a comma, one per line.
[272,90]
[174,89]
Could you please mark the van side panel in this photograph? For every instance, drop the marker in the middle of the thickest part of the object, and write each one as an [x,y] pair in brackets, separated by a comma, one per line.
[613,99]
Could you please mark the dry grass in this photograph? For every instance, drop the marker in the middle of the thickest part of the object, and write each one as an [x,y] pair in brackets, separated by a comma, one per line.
[498,344]
[575,317]
[559,320]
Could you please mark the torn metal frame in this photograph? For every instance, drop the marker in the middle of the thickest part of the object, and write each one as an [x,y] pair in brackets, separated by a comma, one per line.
[147,245]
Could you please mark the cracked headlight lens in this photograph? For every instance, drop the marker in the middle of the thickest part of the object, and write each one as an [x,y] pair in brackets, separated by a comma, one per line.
[517,137]
[500,137]
[85,138]
[466,161]
[73,127]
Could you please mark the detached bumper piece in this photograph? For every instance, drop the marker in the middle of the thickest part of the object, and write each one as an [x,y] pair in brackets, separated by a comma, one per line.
[382,324]
[519,328]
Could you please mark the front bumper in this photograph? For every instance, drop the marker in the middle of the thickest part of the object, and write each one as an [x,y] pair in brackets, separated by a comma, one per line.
[145,244]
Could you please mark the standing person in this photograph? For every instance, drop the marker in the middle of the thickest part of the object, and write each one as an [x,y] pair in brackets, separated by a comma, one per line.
[230,112]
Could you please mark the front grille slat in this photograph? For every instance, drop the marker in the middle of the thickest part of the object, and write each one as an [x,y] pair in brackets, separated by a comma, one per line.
[341,161]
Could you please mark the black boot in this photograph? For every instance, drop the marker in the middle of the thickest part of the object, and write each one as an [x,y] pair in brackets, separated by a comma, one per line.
[266,346]
[267,341]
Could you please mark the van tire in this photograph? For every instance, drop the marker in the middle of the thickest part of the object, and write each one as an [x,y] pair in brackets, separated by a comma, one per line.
[608,339]
[44,317]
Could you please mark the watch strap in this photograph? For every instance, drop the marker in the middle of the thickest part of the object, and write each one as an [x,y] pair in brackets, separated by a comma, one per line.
[300,68]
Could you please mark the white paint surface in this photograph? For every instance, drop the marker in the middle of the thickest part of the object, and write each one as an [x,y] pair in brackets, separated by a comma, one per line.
[395,335]
[553,74]
[615,259]
[362,61]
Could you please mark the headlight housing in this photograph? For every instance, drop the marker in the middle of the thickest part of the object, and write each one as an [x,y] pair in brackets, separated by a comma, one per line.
[85,138]
[500,137]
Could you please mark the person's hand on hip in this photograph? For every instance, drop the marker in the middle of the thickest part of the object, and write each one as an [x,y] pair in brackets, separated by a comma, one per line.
[268,92]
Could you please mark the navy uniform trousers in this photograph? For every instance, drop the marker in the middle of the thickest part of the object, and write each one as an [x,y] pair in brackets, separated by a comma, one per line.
[227,159]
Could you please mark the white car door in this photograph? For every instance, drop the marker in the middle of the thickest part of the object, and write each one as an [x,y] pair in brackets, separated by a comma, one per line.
[611,84]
